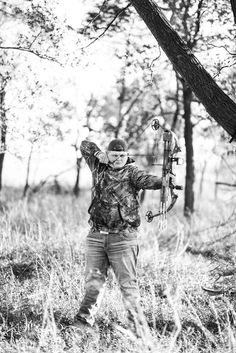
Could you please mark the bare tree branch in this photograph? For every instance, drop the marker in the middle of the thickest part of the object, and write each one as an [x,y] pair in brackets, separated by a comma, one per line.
[34,40]
[94,19]
[222,68]
[107,28]
[225,184]
[227,164]
[223,47]
[28,50]
[132,103]
[186,6]
[197,24]
[47,179]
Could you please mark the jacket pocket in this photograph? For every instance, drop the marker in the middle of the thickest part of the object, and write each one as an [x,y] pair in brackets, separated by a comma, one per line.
[130,215]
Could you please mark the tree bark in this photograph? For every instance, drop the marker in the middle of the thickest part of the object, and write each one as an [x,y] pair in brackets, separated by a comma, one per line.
[177,109]
[216,102]
[188,135]
[3,130]
[2,152]
[76,188]
[26,187]
[202,177]
[233,6]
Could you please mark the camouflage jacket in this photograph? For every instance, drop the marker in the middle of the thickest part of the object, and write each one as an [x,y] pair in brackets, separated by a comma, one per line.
[115,202]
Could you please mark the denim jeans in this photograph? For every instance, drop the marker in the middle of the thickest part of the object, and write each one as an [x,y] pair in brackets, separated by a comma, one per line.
[120,252]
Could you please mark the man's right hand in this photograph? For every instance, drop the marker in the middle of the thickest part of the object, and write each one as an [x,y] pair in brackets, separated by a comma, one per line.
[102,157]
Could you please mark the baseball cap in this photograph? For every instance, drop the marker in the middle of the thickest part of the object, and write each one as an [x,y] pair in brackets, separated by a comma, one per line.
[117,145]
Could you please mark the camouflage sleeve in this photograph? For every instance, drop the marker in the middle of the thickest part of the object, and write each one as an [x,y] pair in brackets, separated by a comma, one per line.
[89,150]
[142,180]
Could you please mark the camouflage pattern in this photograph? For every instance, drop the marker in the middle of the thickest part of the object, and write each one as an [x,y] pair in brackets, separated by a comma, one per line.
[115,202]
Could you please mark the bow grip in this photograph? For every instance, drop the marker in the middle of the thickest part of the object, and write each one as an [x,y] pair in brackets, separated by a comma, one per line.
[178,187]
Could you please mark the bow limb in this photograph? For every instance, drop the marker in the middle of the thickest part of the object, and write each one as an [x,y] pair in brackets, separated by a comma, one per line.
[164,192]
[171,148]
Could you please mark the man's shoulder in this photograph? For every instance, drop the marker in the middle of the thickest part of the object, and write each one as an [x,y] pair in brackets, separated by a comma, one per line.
[130,166]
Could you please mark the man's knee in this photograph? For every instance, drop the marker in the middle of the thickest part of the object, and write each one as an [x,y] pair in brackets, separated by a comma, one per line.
[94,281]
[131,301]
[130,290]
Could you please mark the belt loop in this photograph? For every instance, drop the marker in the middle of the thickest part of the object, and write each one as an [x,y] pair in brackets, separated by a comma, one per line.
[103,232]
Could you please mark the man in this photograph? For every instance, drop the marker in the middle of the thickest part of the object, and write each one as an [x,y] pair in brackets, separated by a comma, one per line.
[114,220]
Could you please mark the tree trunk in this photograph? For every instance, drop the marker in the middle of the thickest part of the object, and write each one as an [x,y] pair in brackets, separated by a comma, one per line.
[202,178]
[177,109]
[26,187]
[216,102]
[233,6]
[217,172]
[188,135]
[76,188]
[3,130]
[2,151]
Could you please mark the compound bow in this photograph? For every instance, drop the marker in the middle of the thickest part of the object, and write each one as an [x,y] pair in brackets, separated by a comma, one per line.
[171,148]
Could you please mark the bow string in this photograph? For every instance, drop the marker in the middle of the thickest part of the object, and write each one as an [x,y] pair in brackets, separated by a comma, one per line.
[170,158]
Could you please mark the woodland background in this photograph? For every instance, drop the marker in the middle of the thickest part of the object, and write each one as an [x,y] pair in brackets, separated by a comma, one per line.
[84,69]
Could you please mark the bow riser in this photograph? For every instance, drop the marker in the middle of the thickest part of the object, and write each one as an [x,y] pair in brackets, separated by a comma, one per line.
[171,147]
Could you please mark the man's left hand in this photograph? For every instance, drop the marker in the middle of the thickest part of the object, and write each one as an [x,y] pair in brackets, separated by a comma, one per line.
[102,157]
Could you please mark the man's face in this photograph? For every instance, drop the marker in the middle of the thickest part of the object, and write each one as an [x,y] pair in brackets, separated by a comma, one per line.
[117,159]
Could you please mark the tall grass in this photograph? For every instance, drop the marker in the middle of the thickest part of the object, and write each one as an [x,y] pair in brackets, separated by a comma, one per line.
[42,263]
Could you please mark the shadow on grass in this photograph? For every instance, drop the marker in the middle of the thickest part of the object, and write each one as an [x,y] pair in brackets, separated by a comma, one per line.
[21,271]
[27,321]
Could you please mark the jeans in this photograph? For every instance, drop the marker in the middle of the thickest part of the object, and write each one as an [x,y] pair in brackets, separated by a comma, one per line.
[120,252]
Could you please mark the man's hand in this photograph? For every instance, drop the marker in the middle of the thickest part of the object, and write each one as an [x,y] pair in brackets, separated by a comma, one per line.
[172,182]
[102,157]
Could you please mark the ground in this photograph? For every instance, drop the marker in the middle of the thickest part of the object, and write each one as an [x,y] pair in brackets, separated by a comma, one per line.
[41,274]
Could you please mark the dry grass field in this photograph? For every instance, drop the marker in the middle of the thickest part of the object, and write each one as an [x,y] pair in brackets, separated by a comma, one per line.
[41,275]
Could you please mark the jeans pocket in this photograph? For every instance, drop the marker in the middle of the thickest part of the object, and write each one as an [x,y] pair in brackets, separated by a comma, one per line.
[93,234]
[130,234]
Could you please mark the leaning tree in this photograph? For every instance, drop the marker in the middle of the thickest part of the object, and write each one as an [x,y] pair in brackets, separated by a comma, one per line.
[217,103]
[179,49]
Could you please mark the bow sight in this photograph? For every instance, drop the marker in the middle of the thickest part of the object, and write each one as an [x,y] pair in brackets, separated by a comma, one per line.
[171,148]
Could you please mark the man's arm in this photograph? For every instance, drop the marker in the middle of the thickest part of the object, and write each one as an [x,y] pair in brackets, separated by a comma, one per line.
[89,150]
[92,154]
[142,180]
